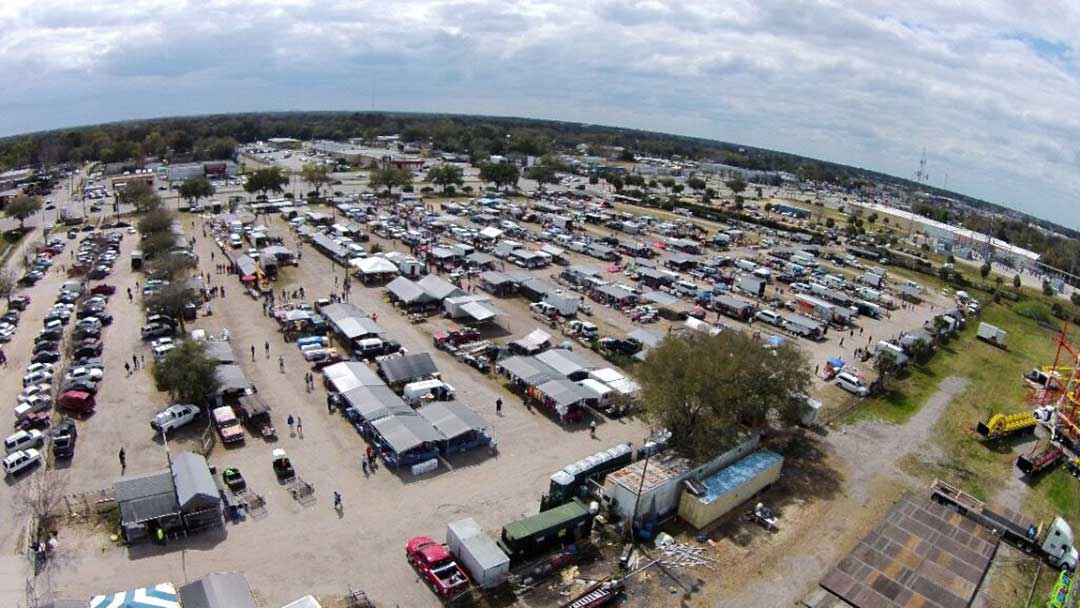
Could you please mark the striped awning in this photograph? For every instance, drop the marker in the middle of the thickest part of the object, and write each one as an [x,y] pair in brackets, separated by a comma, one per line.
[158,596]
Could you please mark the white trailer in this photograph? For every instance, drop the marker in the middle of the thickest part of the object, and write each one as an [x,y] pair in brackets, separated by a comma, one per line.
[486,563]
[992,334]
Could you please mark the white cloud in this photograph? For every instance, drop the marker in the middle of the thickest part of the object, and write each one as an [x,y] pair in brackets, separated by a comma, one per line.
[988,87]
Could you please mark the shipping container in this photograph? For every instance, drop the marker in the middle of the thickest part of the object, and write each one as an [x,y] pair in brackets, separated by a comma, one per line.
[730,487]
[481,556]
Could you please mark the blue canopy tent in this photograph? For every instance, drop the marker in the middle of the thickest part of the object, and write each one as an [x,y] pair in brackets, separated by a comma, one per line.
[158,596]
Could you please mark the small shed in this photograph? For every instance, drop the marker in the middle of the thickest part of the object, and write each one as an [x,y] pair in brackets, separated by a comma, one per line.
[486,563]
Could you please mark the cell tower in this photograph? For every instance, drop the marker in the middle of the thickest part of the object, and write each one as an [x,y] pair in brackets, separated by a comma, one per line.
[921,176]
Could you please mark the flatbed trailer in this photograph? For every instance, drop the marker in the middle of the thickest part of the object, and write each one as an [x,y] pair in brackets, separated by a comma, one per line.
[1033,464]
[1010,526]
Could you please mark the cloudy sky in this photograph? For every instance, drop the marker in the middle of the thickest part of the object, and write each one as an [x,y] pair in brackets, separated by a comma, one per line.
[989,87]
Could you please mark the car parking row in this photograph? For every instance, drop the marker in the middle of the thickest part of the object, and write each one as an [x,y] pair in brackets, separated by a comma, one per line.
[75,389]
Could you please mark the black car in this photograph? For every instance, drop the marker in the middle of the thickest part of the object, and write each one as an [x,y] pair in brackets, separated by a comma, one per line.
[87,332]
[87,350]
[81,384]
[64,436]
[50,334]
[625,346]
[46,345]
[30,278]
[45,356]
[11,316]
[89,311]
[19,303]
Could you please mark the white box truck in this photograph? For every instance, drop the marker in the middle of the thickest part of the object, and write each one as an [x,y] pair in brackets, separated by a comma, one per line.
[992,334]
[485,562]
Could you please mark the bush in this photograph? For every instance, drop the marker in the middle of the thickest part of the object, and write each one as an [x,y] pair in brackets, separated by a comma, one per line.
[1036,311]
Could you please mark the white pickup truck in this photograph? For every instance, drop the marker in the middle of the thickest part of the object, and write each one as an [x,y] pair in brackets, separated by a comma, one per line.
[174,417]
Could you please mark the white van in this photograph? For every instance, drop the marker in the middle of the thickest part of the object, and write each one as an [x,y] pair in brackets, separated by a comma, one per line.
[235,241]
[769,316]
[21,440]
[424,390]
[685,288]
[852,384]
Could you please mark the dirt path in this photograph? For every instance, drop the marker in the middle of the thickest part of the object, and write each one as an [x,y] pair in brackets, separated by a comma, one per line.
[866,453]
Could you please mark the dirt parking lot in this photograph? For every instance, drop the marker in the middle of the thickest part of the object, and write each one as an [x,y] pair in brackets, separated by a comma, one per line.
[295,550]
[313,548]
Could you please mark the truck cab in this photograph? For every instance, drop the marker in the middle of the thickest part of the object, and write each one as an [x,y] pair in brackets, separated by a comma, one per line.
[1059,545]
[436,566]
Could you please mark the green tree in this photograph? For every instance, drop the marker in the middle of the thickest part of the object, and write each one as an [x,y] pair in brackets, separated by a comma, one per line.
[696,184]
[171,265]
[705,389]
[317,175]
[269,179]
[541,174]
[1017,282]
[389,178]
[830,222]
[154,222]
[157,243]
[21,207]
[500,174]
[1074,297]
[872,218]
[172,300]
[445,175]
[736,185]
[1047,288]
[195,188]
[886,365]
[668,183]
[188,373]
[616,182]
[594,179]
[140,195]
[984,270]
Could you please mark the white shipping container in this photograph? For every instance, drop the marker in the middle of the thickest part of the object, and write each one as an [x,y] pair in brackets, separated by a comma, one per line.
[481,557]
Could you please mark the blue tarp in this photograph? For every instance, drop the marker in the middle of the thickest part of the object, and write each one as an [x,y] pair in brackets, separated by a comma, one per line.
[733,477]
[776,341]
[836,362]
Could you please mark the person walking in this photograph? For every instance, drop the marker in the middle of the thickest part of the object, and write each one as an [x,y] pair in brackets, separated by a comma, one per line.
[127,368]
[134,361]
[299,427]
[337,502]
[370,453]
[123,460]
[266,348]
[592,429]
[142,361]
[498,406]
[252,352]
[291,421]
[281,363]
[363,463]
[131,298]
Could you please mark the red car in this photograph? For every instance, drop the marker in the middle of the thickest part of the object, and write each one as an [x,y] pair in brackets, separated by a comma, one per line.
[103,289]
[76,401]
[437,566]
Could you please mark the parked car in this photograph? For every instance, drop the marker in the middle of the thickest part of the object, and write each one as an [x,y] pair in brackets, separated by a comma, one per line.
[19,302]
[64,436]
[21,460]
[34,389]
[436,566]
[20,440]
[37,403]
[103,289]
[852,384]
[92,374]
[45,356]
[76,401]
[174,417]
[156,330]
